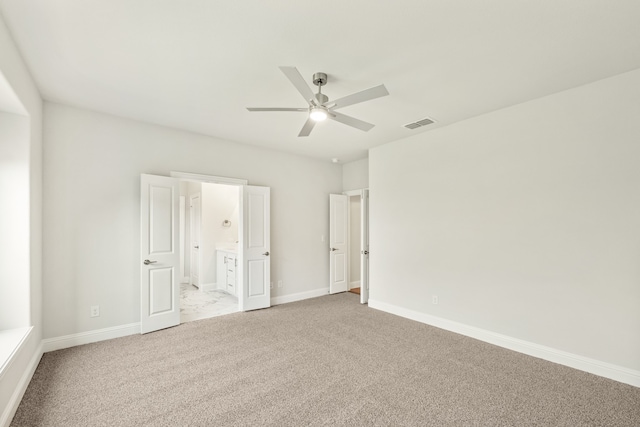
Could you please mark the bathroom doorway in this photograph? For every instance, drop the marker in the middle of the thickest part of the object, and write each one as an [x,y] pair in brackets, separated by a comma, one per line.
[209,232]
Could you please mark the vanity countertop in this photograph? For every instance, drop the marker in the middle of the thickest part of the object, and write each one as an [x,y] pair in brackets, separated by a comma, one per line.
[228,248]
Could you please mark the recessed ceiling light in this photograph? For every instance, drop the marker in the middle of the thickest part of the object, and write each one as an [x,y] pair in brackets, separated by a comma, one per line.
[335,160]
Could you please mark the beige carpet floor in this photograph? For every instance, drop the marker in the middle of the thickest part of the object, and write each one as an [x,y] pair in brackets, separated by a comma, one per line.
[324,361]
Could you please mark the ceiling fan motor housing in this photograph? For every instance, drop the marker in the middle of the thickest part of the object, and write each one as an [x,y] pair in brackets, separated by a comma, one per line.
[320,79]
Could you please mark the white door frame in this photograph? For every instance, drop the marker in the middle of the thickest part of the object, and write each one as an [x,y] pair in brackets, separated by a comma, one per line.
[364,252]
[194,260]
[195,177]
[364,247]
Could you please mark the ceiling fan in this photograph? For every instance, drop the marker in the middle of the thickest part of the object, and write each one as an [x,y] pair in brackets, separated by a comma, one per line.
[320,108]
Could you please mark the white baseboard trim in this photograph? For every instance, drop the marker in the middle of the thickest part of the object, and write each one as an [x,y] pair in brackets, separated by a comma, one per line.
[299,296]
[58,343]
[355,284]
[596,367]
[18,393]
[185,279]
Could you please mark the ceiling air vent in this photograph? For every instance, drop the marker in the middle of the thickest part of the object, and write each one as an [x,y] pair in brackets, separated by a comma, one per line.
[419,123]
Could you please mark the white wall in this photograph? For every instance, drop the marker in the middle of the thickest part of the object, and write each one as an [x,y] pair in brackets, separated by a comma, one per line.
[14,221]
[355,175]
[219,202]
[524,221]
[91,204]
[18,78]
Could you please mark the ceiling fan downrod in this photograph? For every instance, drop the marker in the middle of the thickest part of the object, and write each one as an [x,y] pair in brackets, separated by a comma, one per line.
[320,79]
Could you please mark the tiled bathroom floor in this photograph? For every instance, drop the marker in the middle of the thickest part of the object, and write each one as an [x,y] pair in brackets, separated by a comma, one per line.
[196,304]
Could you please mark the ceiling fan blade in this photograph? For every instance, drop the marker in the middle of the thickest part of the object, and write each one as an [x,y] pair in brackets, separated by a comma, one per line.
[365,95]
[297,80]
[350,121]
[277,109]
[307,128]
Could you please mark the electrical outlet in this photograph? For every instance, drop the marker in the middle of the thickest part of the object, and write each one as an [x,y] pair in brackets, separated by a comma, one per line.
[271,285]
[279,283]
[434,299]
[95,311]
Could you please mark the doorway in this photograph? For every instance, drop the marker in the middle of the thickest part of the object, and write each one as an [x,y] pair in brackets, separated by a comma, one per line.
[161,247]
[210,229]
[349,243]
[359,241]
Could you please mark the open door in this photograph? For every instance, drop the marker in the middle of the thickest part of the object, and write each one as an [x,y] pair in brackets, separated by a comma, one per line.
[364,247]
[159,253]
[255,237]
[338,237]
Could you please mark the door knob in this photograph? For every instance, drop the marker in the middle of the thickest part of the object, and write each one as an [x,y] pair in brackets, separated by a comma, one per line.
[196,247]
[333,249]
[365,252]
[147,262]
[266,253]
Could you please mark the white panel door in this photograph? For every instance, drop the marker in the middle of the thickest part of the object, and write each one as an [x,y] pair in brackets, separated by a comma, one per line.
[256,243]
[159,253]
[195,220]
[338,235]
[364,247]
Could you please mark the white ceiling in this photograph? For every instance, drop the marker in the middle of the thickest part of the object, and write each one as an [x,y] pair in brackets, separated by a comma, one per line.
[195,65]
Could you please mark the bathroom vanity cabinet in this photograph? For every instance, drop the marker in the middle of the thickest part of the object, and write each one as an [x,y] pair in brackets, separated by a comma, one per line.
[227,265]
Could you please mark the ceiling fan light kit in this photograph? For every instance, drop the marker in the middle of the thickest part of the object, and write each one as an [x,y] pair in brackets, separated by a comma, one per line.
[320,108]
[318,114]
